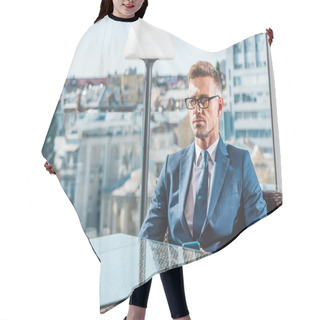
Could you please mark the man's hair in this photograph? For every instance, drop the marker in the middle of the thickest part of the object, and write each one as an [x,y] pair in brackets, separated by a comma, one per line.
[205,69]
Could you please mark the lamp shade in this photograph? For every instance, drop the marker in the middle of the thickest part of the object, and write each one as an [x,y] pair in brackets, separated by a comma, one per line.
[148,42]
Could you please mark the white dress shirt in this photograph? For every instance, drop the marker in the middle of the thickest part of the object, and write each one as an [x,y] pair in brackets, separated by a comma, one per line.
[194,180]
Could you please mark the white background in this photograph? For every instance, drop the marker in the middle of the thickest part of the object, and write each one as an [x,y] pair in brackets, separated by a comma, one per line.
[47,268]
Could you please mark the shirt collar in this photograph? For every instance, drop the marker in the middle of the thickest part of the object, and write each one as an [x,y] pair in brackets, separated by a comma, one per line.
[211,150]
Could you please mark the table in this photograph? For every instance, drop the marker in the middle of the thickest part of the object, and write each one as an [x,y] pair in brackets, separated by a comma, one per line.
[128,261]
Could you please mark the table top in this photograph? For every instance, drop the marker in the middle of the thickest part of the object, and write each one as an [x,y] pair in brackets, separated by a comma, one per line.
[128,261]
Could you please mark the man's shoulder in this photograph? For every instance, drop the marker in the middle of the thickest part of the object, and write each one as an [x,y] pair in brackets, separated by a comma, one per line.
[233,150]
[235,153]
[174,159]
[181,152]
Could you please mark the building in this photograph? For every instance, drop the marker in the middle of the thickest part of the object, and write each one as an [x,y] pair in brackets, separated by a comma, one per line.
[248,93]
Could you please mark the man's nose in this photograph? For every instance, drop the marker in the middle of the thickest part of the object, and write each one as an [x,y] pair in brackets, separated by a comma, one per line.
[197,109]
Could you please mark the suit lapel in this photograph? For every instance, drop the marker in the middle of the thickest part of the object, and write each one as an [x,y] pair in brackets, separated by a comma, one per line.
[185,170]
[222,163]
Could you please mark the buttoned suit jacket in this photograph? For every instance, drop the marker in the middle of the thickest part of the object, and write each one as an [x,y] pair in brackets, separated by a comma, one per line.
[236,200]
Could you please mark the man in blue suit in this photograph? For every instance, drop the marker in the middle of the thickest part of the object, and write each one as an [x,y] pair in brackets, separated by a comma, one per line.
[207,192]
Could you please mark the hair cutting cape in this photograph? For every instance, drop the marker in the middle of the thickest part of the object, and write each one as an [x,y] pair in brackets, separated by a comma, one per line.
[122,146]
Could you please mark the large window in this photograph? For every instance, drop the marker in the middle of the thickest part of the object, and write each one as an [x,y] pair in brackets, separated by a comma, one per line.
[261,56]
[95,140]
[249,53]
[238,56]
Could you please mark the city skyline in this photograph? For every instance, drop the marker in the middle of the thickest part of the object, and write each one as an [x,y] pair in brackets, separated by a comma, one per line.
[97,131]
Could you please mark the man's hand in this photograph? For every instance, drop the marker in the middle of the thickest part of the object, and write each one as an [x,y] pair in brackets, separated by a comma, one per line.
[204,252]
[270,35]
[49,168]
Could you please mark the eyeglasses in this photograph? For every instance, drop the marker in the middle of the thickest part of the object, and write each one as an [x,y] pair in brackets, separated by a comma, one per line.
[203,103]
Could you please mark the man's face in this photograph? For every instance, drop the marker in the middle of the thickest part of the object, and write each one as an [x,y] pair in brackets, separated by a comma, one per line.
[205,122]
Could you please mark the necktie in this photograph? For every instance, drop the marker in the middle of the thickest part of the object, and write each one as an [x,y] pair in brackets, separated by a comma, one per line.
[200,207]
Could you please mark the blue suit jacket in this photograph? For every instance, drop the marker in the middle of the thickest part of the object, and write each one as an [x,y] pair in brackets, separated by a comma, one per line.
[236,199]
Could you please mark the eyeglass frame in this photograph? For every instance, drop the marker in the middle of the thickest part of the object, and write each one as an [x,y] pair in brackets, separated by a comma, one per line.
[198,102]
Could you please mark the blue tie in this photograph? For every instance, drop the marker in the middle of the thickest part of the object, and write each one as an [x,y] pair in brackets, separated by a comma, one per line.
[200,207]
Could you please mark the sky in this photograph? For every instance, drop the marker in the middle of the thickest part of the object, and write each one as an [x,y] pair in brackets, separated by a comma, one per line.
[109,41]
[48,270]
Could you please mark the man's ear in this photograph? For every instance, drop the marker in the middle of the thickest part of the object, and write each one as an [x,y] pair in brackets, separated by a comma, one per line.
[220,104]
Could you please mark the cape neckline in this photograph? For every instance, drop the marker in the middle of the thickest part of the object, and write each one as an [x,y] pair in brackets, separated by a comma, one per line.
[113,17]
